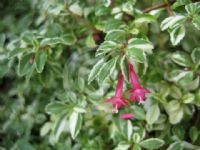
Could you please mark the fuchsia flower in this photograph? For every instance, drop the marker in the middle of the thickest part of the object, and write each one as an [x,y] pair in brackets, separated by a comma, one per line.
[137,93]
[117,100]
[126,116]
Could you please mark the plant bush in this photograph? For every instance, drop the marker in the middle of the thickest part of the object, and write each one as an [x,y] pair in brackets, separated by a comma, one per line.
[99,75]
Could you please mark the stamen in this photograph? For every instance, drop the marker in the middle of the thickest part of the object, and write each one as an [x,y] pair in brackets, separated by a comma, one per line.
[140,101]
[116,110]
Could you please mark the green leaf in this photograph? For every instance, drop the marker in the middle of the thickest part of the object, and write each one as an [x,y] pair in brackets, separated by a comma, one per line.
[182,59]
[40,60]
[129,130]
[2,40]
[17,51]
[188,98]
[177,34]
[175,146]
[28,37]
[123,67]
[25,65]
[55,107]
[60,126]
[69,39]
[194,134]
[178,132]
[172,106]
[90,42]
[196,56]
[45,129]
[122,146]
[177,75]
[136,138]
[172,22]
[139,113]
[140,44]
[136,147]
[51,41]
[136,54]
[153,114]
[75,122]
[196,22]
[79,110]
[107,69]
[95,71]
[152,143]
[106,47]
[176,116]
[76,9]
[110,24]
[127,7]
[145,18]
[116,36]
[187,145]
[81,84]
[193,8]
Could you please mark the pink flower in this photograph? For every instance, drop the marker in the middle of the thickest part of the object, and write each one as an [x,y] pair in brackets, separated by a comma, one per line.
[126,116]
[137,93]
[117,100]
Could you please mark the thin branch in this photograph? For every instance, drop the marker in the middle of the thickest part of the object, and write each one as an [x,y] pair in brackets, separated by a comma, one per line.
[161,5]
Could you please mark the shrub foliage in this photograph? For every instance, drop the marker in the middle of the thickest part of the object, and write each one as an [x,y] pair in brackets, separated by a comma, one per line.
[60,60]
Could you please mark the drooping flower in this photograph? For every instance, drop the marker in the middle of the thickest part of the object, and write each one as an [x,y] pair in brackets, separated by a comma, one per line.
[127,116]
[138,92]
[117,100]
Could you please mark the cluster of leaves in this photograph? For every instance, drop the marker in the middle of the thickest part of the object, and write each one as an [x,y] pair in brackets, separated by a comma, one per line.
[59,61]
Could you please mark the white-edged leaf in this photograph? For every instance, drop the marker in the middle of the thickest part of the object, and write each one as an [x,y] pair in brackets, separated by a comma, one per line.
[136,54]
[176,116]
[188,98]
[193,8]
[75,122]
[45,128]
[172,22]
[95,71]
[60,126]
[40,60]
[107,69]
[17,51]
[177,34]
[123,67]
[116,35]
[152,143]
[76,9]
[172,106]
[145,18]
[182,59]
[175,146]
[122,146]
[136,137]
[129,129]
[193,133]
[177,75]
[25,65]
[55,107]
[106,47]
[136,147]
[140,44]
[196,56]
[90,42]
[196,22]
[153,114]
